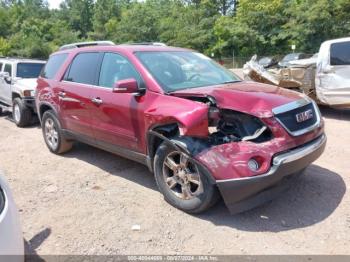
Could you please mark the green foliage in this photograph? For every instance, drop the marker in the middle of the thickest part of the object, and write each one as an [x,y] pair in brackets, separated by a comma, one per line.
[5,47]
[29,28]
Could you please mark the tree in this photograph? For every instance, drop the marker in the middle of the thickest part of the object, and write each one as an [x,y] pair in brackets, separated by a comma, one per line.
[80,13]
[266,27]
[104,11]
[324,19]
[255,28]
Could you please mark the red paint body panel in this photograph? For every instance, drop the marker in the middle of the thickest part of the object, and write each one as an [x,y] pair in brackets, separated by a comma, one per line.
[230,161]
[248,97]
[125,119]
[117,120]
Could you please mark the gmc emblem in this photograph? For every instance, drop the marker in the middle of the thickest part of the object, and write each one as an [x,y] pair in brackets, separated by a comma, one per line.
[304,116]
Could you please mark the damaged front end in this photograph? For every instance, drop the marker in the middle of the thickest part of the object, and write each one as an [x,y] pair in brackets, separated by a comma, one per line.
[246,155]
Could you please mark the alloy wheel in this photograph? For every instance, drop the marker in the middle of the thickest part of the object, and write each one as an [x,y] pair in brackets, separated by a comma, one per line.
[51,133]
[181,176]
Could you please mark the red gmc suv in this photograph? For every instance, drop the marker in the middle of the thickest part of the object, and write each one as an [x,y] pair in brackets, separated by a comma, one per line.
[197,126]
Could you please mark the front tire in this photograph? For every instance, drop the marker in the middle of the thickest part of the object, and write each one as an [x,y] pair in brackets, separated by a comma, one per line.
[182,181]
[22,115]
[53,134]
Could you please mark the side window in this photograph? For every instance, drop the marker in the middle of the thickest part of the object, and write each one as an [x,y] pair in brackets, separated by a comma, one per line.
[114,68]
[84,68]
[340,53]
[0,66]
[8,69]
[53,65]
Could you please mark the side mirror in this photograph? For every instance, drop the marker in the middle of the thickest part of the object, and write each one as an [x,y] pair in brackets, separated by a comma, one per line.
[6,76]
[129,86]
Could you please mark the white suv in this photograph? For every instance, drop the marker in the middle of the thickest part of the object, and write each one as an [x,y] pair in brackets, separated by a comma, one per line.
[17,85]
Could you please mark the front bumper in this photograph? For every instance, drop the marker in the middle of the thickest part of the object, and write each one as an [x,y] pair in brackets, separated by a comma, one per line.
[242,194]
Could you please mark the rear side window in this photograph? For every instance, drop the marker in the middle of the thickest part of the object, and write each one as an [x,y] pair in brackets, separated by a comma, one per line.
[8,69]
[340,53]
[84,68]
[53,65]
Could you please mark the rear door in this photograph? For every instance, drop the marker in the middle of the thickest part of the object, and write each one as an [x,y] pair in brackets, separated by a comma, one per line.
[74,93]
[115,120]
[333,73]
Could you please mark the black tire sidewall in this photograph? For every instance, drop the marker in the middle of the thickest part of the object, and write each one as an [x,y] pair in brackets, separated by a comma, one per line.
[25,113]
[195,205]
[50,114]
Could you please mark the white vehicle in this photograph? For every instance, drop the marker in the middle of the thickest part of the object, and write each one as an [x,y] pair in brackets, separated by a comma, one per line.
[332,79]
[17,87]
[324,77]
[11,238]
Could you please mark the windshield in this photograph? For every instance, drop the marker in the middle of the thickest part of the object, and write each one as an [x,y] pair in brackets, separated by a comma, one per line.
[176,70]
[291,57]
[265,60]
[29,70]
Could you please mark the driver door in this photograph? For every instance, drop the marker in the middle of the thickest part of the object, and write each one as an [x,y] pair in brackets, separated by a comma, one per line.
[5,85]
[116,117]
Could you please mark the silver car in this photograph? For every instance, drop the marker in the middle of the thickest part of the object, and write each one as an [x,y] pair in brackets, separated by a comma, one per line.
[11,238]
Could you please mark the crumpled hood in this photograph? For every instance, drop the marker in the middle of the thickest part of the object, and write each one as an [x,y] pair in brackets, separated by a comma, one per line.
[248,97]
[26,83]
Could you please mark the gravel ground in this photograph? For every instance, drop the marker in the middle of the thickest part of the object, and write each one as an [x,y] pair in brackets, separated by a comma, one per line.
[87,201]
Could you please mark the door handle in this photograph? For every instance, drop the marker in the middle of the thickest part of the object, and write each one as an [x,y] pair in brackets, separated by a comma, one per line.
[97,101]
[62,94]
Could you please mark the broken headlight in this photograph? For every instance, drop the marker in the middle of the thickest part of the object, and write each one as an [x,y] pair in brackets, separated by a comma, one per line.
[230,126]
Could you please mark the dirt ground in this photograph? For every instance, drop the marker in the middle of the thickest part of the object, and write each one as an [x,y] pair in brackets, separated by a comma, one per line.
[87,201]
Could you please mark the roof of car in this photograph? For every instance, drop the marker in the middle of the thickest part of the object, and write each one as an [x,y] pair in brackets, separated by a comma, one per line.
[21,60]
[126,47]
[338,40]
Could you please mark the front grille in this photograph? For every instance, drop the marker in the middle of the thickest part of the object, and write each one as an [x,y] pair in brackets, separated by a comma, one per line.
[289,119]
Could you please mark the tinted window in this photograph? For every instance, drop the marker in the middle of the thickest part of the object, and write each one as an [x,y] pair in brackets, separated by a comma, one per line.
[0,66]
[340,53]
[53,65]
[84,68]
[29,70]
[8,69]
[114,68]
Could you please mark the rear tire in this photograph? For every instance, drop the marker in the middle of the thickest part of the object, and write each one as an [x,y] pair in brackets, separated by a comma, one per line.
[183,183]
[53,134]
[22,115]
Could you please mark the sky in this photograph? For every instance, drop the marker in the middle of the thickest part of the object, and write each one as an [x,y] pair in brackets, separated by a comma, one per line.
[54,3]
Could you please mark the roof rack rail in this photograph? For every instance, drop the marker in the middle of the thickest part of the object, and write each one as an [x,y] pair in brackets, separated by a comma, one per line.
[85,44]
[147,43]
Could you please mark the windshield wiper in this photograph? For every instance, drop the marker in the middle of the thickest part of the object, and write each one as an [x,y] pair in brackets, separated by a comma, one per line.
[230,82]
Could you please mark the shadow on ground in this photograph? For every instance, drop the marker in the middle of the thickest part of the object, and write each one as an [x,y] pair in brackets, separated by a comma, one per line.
[312,198]
[113,164]
[34,123]
[31,245]
[338,114]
